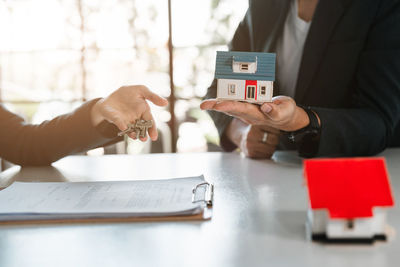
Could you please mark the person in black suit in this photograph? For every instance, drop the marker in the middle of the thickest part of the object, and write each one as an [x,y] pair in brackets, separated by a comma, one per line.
[95,123]
[344,97]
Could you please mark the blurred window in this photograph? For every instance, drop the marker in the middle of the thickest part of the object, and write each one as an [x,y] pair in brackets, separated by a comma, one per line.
[56,54]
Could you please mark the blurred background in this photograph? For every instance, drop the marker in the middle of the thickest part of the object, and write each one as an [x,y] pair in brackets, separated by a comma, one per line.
[56,54]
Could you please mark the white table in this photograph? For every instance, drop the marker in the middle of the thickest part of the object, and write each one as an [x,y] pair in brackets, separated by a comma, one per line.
[258,218]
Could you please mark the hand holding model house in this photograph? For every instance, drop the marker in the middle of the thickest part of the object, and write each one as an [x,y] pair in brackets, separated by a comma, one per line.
[245,79]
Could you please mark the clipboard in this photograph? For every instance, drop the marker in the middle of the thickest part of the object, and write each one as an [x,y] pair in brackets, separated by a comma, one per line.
[201,193]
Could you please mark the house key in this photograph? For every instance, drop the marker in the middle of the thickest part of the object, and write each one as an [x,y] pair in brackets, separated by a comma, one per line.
[140,127]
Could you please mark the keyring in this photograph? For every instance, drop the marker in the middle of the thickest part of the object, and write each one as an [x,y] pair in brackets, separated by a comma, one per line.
[140,127]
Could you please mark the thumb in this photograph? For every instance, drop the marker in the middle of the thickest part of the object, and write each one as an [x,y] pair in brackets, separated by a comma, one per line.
[270,110]
[121,124]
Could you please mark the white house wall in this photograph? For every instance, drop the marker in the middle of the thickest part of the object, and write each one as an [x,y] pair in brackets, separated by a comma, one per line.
[222,89]
[379,223]
[362,228]
[317,219]
[269,93]
[319,222]
[223,92]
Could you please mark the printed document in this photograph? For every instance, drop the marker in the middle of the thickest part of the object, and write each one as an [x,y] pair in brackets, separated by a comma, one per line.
[74,200]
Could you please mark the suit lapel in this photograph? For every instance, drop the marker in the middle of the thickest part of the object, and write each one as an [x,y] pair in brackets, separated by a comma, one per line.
[268,18]
[326,17]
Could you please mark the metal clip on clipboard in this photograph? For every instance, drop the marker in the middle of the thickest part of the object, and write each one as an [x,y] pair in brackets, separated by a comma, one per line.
[206,197]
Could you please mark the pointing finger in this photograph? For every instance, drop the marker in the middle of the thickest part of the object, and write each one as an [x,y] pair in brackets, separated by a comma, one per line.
[154,98]
[208,104]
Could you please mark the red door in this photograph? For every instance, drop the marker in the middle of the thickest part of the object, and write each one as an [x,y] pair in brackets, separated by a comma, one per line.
[250,90]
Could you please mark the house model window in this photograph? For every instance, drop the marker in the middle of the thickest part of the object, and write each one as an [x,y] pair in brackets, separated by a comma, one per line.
[244,64]
[263,90]
[350,225]
[231,89]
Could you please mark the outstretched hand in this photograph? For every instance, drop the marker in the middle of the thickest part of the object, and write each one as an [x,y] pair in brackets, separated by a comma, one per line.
[282,113]
[125,106]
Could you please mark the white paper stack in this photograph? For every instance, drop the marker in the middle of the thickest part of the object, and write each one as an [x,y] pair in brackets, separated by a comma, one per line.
[91,200]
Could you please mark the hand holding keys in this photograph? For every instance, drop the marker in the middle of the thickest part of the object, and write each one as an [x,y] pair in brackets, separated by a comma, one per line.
[140,127]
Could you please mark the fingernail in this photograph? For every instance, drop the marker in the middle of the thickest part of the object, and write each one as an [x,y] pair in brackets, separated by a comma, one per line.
[266,108]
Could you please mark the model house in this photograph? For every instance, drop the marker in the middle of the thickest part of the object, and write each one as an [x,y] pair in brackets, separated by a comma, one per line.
[245,76]
[348,199]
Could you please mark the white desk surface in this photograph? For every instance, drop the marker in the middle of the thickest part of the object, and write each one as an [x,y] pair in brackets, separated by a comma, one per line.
[258,218]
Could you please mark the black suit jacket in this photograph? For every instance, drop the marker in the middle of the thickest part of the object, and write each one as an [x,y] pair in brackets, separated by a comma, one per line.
[349,73]
[27,144]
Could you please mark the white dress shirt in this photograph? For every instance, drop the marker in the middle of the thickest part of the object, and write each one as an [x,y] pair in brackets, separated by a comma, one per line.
[290,50]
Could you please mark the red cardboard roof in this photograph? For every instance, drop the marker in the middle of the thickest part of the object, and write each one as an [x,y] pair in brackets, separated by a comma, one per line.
[348,187]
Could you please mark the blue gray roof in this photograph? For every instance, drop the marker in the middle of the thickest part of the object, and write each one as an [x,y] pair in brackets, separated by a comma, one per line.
[265,65]
[244,58]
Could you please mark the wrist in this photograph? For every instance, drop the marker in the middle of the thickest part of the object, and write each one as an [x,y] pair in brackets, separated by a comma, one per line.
[95,114]
[307,138]
[302,120]
[299,121]
[235,131]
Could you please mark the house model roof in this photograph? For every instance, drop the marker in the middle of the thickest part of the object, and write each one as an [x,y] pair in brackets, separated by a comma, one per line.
[348,187]
[265,65]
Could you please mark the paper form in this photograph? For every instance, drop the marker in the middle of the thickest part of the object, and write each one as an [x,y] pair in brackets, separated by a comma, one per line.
[98,199]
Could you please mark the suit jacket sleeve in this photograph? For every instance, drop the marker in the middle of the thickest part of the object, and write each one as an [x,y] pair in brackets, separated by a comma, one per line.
[367,128]
[27,144]
[240,42]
